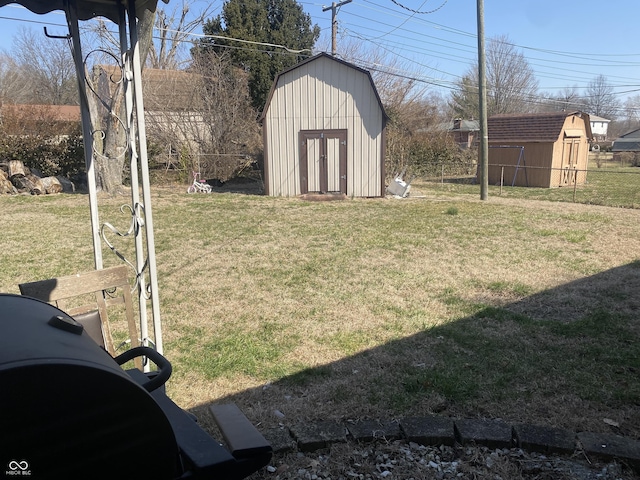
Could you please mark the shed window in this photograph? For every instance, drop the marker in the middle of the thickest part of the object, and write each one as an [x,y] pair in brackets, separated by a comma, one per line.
[572,133]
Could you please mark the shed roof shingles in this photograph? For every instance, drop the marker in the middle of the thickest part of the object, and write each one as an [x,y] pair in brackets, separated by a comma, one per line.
[164,90]
[532,127]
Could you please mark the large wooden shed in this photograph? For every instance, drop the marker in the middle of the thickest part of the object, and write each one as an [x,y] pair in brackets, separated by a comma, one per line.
[539,149]
[324,131]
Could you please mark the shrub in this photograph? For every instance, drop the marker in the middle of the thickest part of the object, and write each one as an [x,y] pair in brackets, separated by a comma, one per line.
[49,154]
[429,154]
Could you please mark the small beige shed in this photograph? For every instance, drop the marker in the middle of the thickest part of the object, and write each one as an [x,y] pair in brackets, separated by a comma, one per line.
[324,131]
[539,149]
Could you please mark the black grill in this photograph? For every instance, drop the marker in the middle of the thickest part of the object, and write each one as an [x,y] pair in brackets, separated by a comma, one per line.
[69,410]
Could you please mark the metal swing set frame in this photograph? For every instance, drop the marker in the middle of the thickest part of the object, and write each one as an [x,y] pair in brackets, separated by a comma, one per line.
[197,455]
[126,14]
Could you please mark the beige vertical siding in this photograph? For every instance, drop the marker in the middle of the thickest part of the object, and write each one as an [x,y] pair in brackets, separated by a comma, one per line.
[543,159]
[504,161]
[324,95]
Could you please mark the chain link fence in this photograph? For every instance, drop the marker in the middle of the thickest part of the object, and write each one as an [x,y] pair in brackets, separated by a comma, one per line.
[615,187]
[213,166]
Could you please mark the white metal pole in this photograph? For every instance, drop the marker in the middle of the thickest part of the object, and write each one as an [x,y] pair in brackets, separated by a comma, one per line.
[144,171]
[87,134]
[135,181]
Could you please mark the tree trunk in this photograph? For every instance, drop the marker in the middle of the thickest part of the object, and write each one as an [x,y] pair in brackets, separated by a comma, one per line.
[111,157]
[16,169]
[5,184]
[51,185]
[38,187]
[23,184]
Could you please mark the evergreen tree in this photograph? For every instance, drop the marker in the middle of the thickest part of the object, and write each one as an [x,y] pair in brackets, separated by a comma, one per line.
[274,22]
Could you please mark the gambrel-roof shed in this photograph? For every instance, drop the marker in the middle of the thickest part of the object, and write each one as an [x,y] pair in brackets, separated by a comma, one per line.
[324,131]
[539,149]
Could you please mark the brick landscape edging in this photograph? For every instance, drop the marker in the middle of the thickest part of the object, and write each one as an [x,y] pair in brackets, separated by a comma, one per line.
[436,430]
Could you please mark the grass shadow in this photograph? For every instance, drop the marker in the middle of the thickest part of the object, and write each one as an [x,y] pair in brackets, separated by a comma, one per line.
[568,357]
[241,185]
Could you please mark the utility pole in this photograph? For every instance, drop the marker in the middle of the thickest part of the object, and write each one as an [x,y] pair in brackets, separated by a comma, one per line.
[483,163]
[334,23]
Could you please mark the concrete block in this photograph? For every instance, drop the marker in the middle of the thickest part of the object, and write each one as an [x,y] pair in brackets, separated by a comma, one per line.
[492,434]
[369,430]
[544,439]
[609,446]
[429,430]
[319,435]
[280,439]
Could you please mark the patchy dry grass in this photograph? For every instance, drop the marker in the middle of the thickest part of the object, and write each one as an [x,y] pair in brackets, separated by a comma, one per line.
[379,308]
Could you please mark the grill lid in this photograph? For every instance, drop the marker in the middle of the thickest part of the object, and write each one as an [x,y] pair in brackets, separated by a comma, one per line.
[67,409]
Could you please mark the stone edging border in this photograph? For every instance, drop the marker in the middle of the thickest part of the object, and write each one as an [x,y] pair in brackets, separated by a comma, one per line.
[435,431]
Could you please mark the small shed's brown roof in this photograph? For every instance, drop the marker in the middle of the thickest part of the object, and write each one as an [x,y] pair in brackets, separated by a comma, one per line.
[529,127]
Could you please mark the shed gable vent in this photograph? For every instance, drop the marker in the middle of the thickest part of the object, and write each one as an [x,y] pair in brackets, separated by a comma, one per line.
[572,133]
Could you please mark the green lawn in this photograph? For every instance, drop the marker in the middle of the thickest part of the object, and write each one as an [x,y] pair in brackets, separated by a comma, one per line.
[610,185]
[511,308]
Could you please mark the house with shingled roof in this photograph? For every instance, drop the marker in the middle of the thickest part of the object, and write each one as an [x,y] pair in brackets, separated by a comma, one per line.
[539,149]
[20,119]
[629,142]
[172,103]
[465,132]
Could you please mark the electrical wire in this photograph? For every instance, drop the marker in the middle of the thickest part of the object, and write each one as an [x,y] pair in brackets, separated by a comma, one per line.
[417,11]
[450,83]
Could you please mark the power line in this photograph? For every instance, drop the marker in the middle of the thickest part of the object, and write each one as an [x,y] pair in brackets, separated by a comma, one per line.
[417,11]
[439,43]
[239,40]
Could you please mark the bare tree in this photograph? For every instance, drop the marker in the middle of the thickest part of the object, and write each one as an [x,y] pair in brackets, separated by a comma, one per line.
[629,118]
[210,123]
[600,99]
[391,74]
[632,109]
[569,99]
[48,66]
[161,50]
[170,40]
[173,28]
[411,108]
[511,83]
[464,101]
[14,87]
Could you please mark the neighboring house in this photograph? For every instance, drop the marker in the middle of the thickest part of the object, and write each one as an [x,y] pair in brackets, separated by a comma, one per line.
[172,103]
[465,132]
[599,127]
[539,150]
[629,142]
[19,119]
[324,131]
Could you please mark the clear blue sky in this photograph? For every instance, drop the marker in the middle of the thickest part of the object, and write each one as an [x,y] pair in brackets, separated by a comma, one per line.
[567,42]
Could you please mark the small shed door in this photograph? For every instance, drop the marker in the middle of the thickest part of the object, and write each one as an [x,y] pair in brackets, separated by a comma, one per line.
[323,161]
[570,152]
